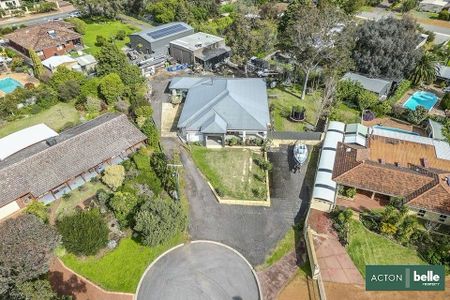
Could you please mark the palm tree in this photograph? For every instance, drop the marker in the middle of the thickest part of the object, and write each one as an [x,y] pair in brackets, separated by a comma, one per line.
[425,70]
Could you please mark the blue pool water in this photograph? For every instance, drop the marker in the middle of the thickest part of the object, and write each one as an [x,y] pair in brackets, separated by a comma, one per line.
[395,129]
[425,99]
[8,85]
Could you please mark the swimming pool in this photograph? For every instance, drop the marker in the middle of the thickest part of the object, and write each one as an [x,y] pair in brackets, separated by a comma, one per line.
[395,129]
[8,85]
[422,98]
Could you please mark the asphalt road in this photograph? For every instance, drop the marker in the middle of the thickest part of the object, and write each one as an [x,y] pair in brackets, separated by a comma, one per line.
[197,271]
[253,231]
[44,19]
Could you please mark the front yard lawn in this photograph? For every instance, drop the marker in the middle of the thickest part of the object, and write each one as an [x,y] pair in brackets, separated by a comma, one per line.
[121,269]
[368,248]
[108,30]
[56,117]
[282,101]
[232,172]
[289,243]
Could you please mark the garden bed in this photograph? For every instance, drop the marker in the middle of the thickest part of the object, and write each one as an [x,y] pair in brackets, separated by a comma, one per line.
[233,173]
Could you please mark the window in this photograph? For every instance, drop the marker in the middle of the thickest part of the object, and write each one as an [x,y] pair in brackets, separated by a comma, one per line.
[421,213]
[442,218]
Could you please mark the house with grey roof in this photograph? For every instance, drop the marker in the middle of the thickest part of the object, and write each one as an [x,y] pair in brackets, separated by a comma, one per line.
[216,109]
[54,164]
[378,86]
[443,73]
[156,39]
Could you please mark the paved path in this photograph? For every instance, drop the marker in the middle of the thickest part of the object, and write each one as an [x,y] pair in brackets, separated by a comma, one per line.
[66,282]
[199,270]
[253,231]
[277,276]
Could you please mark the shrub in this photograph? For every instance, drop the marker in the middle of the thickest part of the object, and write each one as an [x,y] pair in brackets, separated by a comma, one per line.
[150,130]
[444,15]
[100,40]
[29,86]
[93,104]
[159,163]
[121,34]
[114,176]
[142,161]
[84,233]
[158,220]
[416,116]
[350,192]
[111,88]
[445,102]
[401,90]
[219,191]
[263,164]
[388,229]
[80,25]
[123,205]
[38,209]
[232,141]
[145,111]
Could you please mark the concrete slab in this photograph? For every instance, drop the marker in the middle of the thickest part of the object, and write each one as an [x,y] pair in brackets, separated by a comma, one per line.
[200,270]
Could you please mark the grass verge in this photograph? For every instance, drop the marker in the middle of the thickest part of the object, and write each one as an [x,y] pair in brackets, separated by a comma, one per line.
[120,269]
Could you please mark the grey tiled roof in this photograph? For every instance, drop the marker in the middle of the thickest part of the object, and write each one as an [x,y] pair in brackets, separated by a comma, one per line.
[241,103]
[371,84]
[40,168]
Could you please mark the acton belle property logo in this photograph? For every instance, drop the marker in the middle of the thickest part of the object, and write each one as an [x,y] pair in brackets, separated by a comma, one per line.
[405,278]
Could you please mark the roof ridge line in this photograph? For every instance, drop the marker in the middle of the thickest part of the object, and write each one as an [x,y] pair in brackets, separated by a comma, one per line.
[237,102]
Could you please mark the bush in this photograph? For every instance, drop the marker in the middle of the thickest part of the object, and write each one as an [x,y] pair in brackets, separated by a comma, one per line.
[121,34]
[263,164]
[93,104]
[166,174]
[416,116]
[150,130]
[219,191]
[232,141]
[444,15]
[84,233]
[142,161]
[38,209]
[401,90]
[123,205]
[100,41]
[350,192]
[445,102]
[159,220]
[80,25]
[114,176]
[44,7]
[111,88]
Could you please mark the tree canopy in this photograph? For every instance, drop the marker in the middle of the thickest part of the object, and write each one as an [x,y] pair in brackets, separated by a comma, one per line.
[26,247]
[387,47]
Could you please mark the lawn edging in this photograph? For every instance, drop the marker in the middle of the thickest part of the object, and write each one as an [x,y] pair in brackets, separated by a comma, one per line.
[112,293]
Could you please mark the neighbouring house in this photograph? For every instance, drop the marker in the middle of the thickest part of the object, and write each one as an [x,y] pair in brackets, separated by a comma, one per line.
[9,4]
[156,40]
[52,63]
[46,39]
[433,5]
[434,130]
[85,63]
[378,86]
[202,49]
[382,164]
[37,163]
[443,73]
[217,109]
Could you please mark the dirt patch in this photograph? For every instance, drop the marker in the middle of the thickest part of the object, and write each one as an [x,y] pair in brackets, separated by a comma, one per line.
[170,115]
[298,288]
[338,291]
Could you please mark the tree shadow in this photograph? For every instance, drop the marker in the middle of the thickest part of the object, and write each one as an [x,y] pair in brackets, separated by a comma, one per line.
[66,287]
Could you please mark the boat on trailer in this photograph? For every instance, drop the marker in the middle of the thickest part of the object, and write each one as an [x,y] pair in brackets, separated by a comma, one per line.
[300,153]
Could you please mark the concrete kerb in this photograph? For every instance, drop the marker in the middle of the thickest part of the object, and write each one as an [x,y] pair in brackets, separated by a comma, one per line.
[241,256]
[151,265]
[90,282]
[201,241]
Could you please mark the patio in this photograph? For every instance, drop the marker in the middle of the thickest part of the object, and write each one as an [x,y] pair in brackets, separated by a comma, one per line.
[363,201]
[395,123]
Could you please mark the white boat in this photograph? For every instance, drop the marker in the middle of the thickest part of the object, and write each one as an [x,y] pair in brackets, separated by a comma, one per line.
[300,153]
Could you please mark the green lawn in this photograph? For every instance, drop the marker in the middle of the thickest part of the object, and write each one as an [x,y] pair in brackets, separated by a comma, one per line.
[108,30]
[56,117]
[121,269]
[68,205]
[346,114]
[284,246]
[282,101]
[232,171]
[368,248]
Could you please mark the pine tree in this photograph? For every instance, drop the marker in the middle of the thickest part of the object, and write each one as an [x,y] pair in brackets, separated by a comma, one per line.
[37,64]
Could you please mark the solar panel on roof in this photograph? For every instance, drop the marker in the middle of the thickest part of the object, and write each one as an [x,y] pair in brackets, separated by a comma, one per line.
[166,31]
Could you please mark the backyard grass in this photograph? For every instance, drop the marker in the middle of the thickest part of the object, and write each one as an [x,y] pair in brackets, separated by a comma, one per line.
[121,269]
[232,171]
[56,117]
[346,114]
[282,101]
[368,248]
[107,29]
[70,202]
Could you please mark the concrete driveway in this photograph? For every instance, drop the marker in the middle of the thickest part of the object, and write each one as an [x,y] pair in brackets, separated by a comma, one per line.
[253,231]
[199,270]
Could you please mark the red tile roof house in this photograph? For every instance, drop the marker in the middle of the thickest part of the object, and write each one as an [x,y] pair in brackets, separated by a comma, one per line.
[48,39]
[37,163]
[381,164]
